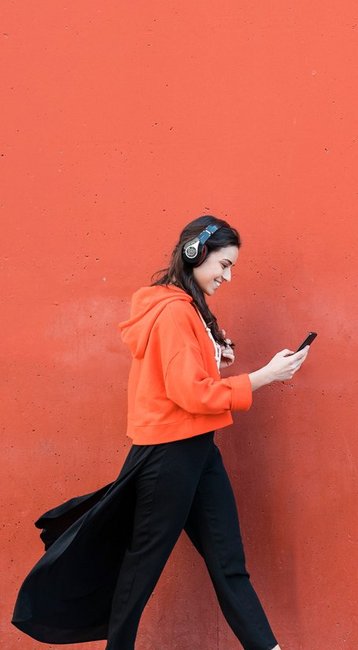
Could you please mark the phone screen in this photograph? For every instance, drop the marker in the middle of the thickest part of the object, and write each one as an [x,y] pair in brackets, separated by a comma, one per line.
[308,340]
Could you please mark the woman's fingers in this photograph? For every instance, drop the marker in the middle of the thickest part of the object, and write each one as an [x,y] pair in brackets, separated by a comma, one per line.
[224,334]
[228,355]
[227,349]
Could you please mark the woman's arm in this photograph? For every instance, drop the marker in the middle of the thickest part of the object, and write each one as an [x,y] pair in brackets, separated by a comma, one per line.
[189,385]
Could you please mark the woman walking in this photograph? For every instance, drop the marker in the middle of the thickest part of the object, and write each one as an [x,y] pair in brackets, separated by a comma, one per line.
[173,478]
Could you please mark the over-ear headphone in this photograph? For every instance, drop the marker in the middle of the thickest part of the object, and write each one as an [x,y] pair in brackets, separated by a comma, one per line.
[194,251]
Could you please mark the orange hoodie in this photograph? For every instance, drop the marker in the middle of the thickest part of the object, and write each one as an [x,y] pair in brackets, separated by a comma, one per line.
[175,389]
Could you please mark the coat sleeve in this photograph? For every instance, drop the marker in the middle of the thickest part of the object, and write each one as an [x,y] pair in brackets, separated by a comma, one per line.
[190,386]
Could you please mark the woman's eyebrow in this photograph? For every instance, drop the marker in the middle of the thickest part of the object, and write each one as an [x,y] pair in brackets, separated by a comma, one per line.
[226,260]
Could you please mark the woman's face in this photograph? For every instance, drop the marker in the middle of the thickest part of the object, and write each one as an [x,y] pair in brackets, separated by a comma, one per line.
[216,269]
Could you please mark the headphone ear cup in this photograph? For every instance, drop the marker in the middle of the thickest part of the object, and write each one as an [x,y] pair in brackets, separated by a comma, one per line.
[192,261]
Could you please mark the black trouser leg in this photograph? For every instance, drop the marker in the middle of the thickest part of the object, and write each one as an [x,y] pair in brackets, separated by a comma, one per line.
[213,527]
[165,488]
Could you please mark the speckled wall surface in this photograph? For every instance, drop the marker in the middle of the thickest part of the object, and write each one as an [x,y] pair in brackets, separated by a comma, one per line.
[121,122]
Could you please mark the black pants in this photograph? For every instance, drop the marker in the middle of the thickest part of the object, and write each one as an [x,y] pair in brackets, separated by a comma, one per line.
[184,485]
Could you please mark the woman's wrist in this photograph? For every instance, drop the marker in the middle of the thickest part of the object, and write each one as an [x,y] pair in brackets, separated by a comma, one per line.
[260,378]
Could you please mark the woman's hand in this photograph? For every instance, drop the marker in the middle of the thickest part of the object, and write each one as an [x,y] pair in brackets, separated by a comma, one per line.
[285,363]
[282,366]
[227,353]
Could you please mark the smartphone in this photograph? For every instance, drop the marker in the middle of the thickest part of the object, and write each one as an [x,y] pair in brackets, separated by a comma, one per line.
[308,340]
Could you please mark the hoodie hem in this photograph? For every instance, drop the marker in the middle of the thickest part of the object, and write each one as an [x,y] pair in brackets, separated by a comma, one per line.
[153,435]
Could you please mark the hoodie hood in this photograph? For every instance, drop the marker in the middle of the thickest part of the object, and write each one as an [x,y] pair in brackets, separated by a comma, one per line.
[146,305]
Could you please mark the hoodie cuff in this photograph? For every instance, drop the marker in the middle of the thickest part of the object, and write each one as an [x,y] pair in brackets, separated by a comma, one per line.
[241,392]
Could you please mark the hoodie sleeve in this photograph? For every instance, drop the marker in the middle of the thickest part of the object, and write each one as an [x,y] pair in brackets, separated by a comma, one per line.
[190,386]
[188,383]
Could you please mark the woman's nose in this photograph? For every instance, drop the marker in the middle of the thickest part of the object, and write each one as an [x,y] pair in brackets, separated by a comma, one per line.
[227,274]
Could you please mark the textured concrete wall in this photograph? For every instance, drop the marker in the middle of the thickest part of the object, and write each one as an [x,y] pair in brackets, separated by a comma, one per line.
[121,122]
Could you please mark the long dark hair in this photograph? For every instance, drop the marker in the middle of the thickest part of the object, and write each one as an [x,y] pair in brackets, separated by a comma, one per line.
[180,273]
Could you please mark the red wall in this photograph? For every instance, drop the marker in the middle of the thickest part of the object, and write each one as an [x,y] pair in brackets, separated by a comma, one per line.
[123,121]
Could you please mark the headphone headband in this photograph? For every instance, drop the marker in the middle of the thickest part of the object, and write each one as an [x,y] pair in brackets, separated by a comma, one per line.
[205,234]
